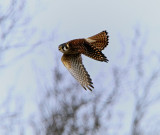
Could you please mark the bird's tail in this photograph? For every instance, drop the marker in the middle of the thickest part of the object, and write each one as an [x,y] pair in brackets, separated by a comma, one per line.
[99,41]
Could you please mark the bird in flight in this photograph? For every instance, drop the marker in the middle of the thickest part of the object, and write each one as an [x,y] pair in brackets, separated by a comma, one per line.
[91,47]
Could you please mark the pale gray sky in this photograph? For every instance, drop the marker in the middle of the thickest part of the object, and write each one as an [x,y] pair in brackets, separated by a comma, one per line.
[77,19]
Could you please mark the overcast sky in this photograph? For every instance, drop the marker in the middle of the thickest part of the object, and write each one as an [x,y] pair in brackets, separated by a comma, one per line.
[83,18]
[71,19]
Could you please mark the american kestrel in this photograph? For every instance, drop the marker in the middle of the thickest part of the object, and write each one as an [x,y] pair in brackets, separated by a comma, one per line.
[90,47]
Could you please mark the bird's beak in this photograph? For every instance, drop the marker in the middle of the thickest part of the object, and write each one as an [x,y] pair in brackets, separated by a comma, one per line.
[60,47]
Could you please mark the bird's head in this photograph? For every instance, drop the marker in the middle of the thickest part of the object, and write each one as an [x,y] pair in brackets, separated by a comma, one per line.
[64,47]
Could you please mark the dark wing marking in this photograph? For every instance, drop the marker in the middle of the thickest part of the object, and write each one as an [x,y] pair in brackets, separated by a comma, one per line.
[94,53]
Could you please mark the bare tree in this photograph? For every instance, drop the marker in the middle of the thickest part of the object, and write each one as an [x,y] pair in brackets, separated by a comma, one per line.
[66,109]
[12,21]
[15,32]
[141,82]
[143,91]
[15,35]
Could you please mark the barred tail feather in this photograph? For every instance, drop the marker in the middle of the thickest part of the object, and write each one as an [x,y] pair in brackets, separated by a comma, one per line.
[100,40]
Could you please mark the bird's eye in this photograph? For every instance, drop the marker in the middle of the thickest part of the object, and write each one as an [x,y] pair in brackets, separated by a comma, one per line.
[65,47]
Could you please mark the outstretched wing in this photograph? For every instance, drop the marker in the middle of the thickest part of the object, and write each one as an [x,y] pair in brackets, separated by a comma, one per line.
[73,62]
[99,41]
